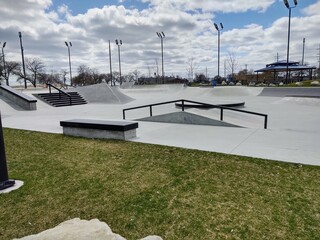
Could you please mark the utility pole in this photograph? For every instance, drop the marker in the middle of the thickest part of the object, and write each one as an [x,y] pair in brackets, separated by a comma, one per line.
[219,29]
[119,44]
[110,62]
[161,35]
[319,61]
[23,65]
[303,46]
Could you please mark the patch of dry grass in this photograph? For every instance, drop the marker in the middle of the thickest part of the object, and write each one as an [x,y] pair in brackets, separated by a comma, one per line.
[140,189]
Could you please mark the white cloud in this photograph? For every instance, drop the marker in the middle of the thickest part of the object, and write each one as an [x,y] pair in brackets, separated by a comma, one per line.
[313,9]
[188,34]
[214,5]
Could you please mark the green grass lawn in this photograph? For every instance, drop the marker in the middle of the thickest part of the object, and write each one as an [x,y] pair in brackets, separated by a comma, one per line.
[141,189]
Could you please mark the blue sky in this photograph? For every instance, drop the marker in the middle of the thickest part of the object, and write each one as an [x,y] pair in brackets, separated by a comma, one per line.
[254,32]
[230,20]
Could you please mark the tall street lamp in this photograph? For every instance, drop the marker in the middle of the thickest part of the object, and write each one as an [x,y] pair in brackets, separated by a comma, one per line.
[219,30]
[289,25]
[23,65]
[162,36]
[110,62]
[69,46]
[119,43]
[4,64]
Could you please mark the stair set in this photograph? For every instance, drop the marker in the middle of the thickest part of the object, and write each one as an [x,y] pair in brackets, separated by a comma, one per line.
[58,99]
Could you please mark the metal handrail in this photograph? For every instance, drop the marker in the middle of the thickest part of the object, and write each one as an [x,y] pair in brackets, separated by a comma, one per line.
[60,91]
[204,104]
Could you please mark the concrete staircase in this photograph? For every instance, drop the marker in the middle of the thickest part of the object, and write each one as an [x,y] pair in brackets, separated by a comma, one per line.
[61,100]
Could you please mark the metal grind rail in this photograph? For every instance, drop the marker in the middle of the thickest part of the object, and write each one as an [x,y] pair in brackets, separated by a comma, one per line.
[60,92]
[183,101]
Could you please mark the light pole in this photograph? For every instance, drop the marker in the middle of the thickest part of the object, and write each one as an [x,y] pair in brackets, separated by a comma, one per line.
[69,46]
[4,64]
[4,177]
[162,36]
[110,62]
[289,25]
[219,30]
[23,65]
[119,43]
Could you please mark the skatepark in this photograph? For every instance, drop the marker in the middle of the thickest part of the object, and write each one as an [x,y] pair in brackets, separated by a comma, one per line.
[292,135]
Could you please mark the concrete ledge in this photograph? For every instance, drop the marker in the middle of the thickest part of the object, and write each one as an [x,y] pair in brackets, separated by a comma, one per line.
[24,101]
[122,130]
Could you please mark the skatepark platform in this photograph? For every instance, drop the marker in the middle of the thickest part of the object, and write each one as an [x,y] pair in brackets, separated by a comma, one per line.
[293,133]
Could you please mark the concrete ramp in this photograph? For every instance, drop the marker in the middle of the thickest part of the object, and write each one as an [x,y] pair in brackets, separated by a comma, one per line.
[186,118]
[103,93]
[291,92]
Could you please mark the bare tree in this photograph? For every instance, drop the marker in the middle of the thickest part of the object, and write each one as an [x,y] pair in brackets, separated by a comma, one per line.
[88,76]
[52,78]
[10,68]
[136,74]
[191,68]
[232,63]
[34,68]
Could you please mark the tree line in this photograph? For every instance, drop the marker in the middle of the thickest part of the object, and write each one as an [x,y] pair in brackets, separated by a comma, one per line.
[36,73]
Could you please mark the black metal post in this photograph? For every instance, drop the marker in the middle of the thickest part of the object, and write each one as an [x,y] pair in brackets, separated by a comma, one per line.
[221,114]
[182,105]
[4,176]
[266,122]
[150,110]
[123,114]
[23,65]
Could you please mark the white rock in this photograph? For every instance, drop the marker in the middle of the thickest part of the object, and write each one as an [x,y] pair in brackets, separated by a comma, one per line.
[77,229]
[152,238]
[315,83]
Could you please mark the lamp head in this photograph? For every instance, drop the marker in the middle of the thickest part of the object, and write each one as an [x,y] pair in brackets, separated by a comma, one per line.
[295,2]
[286,3]
[4,45]
[70,44]
[120,42]
[216,26]
[66,44]
[117,41]
[163,34]
[221,25]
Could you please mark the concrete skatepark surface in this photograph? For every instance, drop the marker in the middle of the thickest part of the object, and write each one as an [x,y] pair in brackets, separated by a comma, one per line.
[293,133]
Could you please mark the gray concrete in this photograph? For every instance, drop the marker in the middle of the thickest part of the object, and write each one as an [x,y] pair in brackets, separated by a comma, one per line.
[17,98]
[287,92]
[186,118]
[99,134]
[102,93]
[293,133]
